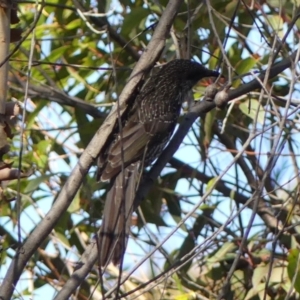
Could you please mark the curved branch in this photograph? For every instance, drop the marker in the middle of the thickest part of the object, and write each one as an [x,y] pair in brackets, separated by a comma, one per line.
[264,212]
[90,255]
[55,95]
[92,151]
[200,109]
[116,36]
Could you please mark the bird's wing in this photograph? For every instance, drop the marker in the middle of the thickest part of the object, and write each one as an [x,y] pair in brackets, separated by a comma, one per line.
[130,146]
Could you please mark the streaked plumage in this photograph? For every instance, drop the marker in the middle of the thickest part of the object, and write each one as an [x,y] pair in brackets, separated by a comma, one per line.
[149,126]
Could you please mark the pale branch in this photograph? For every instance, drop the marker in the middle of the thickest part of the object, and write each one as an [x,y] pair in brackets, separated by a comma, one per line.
[230,145]
[115,36]
[101,22]
[264,211]
[69,190]
[200,109]
[86,160]
[4,51]
[90,255]
[42,92]
[255,166]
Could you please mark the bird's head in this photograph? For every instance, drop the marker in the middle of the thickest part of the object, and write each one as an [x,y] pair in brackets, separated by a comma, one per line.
[187,72]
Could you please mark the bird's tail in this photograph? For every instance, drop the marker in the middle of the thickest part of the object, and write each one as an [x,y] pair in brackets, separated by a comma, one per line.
[117,213]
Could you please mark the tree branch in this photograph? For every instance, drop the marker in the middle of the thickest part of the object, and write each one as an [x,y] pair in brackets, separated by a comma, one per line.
[200,109]
[115,36]
[46,92]
[92,151]
[90,256]
[264,212]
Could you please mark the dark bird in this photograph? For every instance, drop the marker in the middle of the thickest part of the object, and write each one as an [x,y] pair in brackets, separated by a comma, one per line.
[146,130]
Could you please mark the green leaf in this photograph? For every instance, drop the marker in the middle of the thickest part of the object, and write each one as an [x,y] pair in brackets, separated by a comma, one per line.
[75,204]
[30,119]
[57,53]
[252,108]
[186,296]
[133,20]
[171,180]
[58,148]
[211,183]
[178,283]
[62,237]
[214,59]
[43,147]
[276,3]
[151,208]
[255,291]
[86,129]
[242,67]
[41,150]
[245,65]
[293,268]
[259,273]
[34,183]
[276,23]
[221,254]
[208,128]
[77,23]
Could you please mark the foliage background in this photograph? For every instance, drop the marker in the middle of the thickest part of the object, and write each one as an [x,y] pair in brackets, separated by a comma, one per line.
[240,240]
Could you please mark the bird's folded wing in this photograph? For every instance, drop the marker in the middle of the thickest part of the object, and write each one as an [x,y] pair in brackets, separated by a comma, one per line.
[132,144]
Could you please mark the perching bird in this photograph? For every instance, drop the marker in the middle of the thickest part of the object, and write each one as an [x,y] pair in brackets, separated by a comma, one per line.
[149,126]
